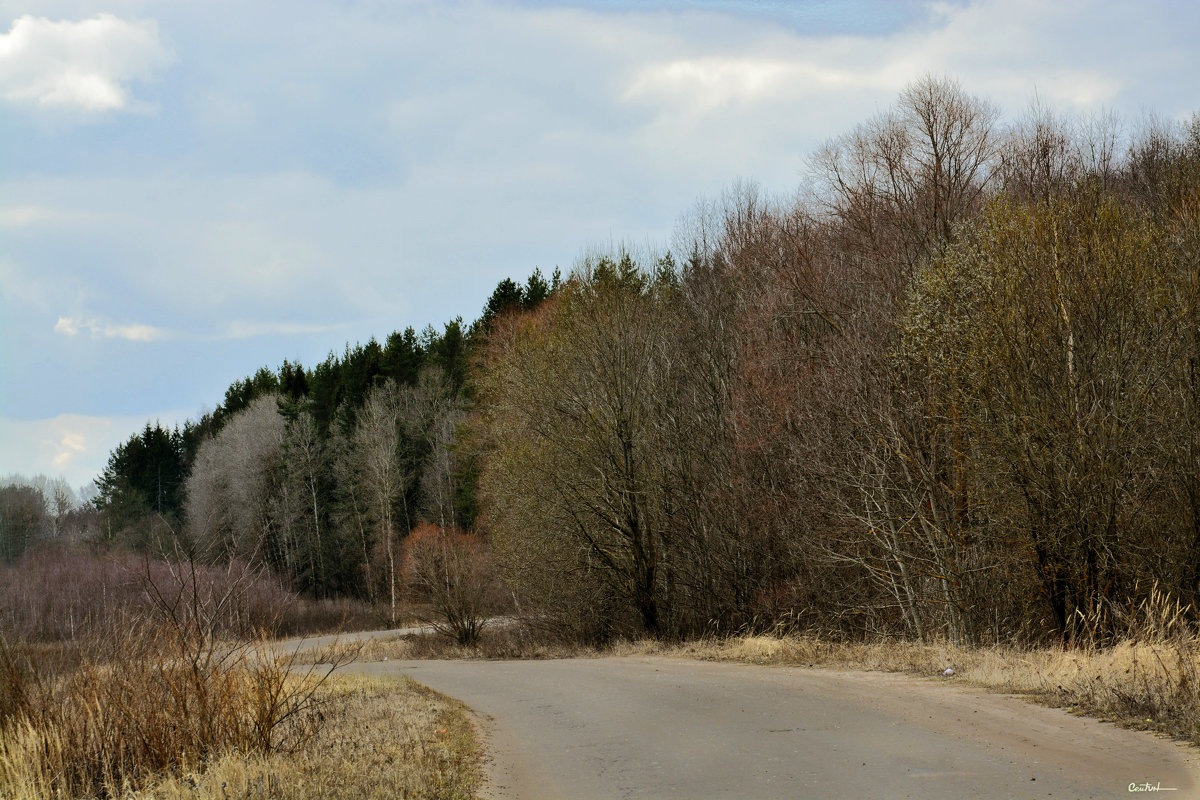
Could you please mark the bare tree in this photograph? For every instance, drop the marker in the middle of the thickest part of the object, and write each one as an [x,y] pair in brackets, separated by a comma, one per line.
[23,520]
[304,465]
[232,486]
[432,414]
[57,495]
[376,443]
[1041,156]
[900,183]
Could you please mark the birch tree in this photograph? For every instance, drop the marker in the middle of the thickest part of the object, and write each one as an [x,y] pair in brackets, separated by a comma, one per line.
[376,444]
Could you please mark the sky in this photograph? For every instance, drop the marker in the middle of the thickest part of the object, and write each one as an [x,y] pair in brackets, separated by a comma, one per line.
[191,190]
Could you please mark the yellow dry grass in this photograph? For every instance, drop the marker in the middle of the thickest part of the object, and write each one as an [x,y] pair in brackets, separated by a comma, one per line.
[141,703]
[1143,683]
[493,644]
[383,738]
[147,713]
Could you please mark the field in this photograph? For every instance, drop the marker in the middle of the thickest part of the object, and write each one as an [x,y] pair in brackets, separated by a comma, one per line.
[171,686]
[231,724]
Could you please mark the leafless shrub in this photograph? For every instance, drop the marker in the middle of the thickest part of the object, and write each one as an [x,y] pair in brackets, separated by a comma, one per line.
[452,572]
[149,696]
[62,593]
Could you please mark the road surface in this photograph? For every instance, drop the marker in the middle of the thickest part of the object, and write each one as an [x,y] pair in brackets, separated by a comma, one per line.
[649,727]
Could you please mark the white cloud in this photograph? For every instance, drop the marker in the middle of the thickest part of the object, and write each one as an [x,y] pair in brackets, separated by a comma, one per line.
[753,100]
[22,216]
[712,83]
[70,446]
[101,329]
[248,330]
[75,446]
[138,332]
[86,65]
[409,155]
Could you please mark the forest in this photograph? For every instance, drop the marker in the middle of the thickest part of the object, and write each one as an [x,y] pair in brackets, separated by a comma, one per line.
[949,389]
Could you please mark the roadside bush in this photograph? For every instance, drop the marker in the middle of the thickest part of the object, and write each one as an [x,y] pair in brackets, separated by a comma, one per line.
[148,697]
[1150,673]
[452,573]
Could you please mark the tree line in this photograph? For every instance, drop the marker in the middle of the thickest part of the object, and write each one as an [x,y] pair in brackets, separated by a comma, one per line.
[952,389]
[40,509]
[317,473]
[949,391]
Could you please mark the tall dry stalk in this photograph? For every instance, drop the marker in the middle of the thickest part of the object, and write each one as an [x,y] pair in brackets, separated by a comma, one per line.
[150,697]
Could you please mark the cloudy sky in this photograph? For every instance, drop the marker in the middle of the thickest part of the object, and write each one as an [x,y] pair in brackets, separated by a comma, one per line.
[190,190]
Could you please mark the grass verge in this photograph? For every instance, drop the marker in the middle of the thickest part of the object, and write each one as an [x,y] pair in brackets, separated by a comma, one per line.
[495,644]
[382,738]
[148,713]
[1148,685]
[143,702]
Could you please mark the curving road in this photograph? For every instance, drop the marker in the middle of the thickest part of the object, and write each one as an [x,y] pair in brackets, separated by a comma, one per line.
[643,727]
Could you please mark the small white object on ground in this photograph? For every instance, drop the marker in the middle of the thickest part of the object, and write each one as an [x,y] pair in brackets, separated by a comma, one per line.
[948,672]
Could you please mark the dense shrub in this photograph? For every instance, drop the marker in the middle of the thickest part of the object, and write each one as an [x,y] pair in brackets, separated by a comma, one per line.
[451,571]
[60,593]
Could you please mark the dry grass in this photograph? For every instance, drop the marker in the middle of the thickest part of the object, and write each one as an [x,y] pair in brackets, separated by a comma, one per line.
[382,738]
[1147,677]
[1143,684]
[173,696]
[494,643]
[141,703]
[258,727]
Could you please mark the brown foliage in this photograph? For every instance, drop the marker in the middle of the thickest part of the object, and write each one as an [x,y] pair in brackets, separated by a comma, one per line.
[56,594]
[451,571]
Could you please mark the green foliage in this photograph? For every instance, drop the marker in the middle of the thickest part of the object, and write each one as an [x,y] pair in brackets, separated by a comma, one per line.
[537,290]
[510,297]
[621,274]
[403,357]
[243,392]
[466,482]
[293,381]
[450,351]
[145,473]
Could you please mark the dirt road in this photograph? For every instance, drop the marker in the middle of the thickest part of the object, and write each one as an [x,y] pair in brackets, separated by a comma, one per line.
[671,728]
